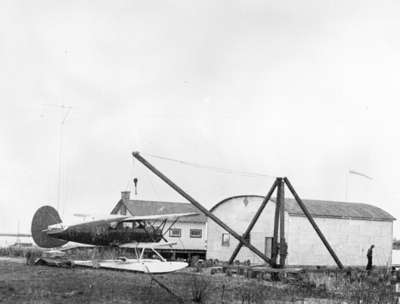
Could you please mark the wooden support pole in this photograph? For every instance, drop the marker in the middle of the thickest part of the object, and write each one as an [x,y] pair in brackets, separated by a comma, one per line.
[200,207]
[282,240]
[254,221]
[275,249]
[315,226]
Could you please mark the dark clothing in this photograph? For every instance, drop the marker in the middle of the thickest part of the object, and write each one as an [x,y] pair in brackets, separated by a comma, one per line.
[369,257]
[369,265]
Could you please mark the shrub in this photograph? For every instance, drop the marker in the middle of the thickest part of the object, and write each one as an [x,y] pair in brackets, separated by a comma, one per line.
[200,288]
[249,293]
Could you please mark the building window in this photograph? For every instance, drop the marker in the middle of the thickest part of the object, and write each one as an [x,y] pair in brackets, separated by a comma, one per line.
[175,232]
[195,233]
[225,239]
[127,225]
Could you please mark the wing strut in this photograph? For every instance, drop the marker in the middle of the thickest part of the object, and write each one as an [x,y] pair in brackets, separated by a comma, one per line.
[169,228]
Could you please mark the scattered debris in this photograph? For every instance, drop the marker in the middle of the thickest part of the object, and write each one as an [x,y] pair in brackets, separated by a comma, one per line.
[57,262]
[72,293]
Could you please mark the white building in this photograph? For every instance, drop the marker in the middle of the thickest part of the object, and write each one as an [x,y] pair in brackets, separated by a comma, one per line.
[350,228]
[188,232]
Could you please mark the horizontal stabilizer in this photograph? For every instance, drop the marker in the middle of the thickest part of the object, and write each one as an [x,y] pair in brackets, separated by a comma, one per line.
[73,245]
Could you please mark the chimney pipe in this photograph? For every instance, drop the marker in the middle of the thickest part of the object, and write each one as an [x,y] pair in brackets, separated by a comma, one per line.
[125,195]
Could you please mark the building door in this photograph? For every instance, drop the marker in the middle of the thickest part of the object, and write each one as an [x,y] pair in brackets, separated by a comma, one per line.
[268,247]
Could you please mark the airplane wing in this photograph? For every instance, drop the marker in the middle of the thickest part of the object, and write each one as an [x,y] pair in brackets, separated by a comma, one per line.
[159,216]
[98,217]
[94,218]
[127,218]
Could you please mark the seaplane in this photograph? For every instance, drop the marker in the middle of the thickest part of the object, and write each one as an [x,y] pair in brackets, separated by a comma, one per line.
[115,230]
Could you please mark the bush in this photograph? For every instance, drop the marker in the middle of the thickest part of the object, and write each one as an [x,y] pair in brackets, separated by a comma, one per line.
[200,288]
[250,293]
[371,289]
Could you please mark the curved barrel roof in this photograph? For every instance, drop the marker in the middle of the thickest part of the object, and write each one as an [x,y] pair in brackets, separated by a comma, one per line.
[329,209]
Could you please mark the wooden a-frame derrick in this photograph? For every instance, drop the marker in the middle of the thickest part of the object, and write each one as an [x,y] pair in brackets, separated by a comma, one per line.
[277,248]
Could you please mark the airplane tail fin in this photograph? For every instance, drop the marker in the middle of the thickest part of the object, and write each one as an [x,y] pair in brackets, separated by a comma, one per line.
[44,217]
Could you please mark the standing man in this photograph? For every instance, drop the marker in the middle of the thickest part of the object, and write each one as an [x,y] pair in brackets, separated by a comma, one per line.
[369,257]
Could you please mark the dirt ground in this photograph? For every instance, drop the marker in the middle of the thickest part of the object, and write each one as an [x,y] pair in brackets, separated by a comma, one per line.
[20,283]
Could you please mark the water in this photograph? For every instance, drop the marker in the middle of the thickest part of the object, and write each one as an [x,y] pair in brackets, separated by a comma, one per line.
[10,240]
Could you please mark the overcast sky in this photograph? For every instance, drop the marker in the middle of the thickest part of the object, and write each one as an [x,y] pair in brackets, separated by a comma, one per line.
[304,89]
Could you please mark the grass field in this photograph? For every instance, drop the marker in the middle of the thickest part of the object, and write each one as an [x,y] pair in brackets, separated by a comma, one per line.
[20,283]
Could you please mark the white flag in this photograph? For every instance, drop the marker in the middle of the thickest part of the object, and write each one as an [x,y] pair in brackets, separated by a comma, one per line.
[359,174]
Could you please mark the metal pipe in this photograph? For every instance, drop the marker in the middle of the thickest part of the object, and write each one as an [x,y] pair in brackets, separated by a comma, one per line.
[254,221]
[200,207]
[315,226]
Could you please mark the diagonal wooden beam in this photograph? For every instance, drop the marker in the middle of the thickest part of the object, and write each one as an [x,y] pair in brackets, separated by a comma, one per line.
[313,223]
[254,220]
[200,207]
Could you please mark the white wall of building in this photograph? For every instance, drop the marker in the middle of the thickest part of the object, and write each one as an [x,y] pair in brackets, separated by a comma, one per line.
[349,238]
[185,241]
[237,214]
